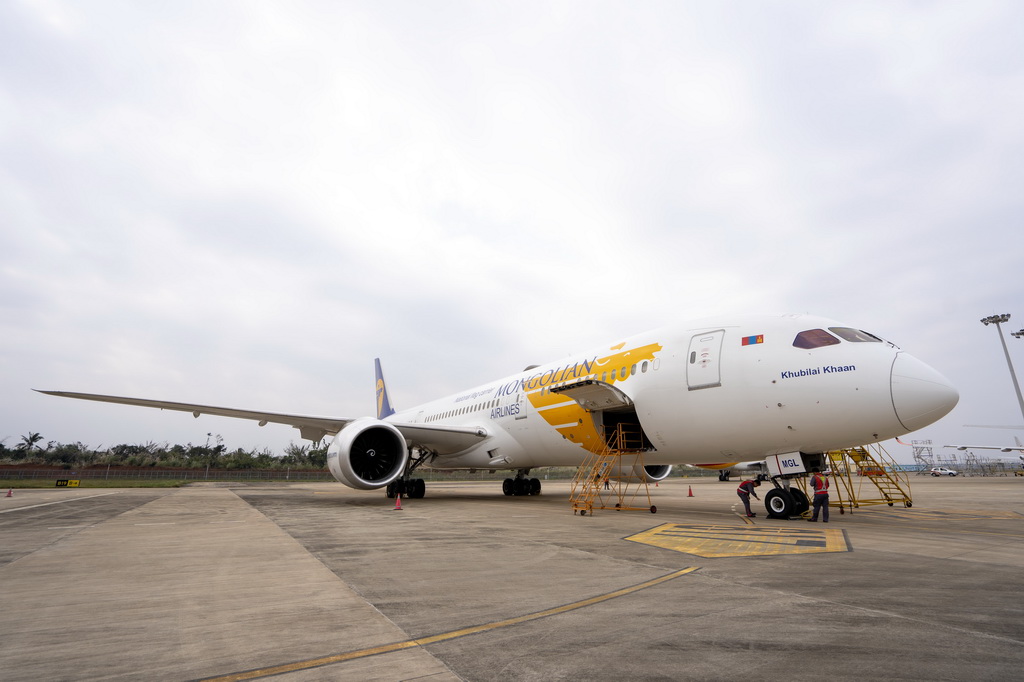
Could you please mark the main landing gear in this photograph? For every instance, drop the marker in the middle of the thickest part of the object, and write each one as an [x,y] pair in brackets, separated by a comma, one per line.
[412,488]
[521,485]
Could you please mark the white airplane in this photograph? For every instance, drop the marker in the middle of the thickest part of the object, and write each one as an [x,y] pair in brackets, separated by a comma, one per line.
[729,389]
[1001,448]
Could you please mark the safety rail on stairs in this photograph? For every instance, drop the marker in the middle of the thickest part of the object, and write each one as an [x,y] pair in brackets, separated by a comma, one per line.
[612,477]
[868,475]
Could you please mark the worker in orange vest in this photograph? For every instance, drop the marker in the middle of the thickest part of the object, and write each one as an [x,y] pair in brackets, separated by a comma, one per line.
[745,490]
[819,483]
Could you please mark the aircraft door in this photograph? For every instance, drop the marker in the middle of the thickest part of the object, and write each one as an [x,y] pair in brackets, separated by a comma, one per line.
[703,364]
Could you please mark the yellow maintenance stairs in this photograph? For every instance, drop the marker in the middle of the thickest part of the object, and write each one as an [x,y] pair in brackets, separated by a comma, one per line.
[866,475]
[607,478]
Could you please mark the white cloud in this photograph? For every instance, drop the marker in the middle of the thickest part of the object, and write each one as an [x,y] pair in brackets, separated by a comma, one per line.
[244,203]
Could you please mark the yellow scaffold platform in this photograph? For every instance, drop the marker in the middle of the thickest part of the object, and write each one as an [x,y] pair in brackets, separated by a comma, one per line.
[865,476]
[608,479]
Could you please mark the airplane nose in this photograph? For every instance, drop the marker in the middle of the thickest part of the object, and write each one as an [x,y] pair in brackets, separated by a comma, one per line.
[920,395]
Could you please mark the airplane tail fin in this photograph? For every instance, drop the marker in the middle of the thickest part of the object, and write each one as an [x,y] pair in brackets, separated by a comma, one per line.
[384,408]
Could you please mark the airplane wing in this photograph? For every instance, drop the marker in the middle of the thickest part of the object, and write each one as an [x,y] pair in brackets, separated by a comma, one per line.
[1001,448]
[441,439]
[444,440]
[991,426]
[310,428]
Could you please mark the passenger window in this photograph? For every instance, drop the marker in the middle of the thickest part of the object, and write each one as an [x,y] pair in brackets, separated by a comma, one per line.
[814,338]
[854,335]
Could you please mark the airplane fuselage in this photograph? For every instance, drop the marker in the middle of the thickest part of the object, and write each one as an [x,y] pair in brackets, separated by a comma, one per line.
[719,390]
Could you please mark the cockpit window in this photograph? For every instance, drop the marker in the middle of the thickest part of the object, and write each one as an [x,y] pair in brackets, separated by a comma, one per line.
[814,338]
[854,335]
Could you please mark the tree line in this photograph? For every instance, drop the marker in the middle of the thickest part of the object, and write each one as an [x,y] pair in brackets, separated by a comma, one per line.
[213,454]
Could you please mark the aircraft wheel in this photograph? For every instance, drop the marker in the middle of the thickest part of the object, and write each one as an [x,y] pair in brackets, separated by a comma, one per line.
[800,501]
[506,486]
[779,503]
[419,488]
[535,486]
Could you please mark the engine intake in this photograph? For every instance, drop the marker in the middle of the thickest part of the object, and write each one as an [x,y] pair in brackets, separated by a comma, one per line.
[367,454]
[652,473]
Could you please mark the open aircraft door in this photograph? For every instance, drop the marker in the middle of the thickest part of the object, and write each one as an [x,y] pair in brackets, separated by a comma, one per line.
[608,406]
[703,365]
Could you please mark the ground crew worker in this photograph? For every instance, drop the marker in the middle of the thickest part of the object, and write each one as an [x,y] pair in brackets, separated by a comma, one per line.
[745,490]
[819,483]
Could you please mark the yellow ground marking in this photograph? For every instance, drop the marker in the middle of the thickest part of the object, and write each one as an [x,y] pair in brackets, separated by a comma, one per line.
[731,541]
[948,514]
[434,639]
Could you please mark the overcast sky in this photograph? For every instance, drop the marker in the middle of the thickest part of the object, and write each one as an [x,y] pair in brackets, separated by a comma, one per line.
[243,203]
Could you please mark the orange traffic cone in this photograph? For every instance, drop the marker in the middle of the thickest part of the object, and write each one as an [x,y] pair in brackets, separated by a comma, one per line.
[691,491]
[10,492]
[398,503]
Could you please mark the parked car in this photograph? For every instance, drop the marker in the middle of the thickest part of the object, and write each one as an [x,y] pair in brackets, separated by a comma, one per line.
[943,471]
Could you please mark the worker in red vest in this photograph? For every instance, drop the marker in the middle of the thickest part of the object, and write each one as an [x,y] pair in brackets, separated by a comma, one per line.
[745,490]
[819,483]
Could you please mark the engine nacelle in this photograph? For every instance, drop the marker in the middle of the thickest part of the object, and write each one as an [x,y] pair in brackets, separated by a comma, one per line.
[652,473]
[367,454]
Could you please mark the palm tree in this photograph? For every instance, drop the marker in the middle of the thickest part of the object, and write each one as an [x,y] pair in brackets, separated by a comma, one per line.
[28,442]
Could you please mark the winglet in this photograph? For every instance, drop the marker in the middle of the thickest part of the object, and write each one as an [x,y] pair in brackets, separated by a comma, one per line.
[384,408]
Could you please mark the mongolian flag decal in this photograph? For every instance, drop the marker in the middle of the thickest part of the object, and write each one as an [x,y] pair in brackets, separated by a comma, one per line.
[752,340]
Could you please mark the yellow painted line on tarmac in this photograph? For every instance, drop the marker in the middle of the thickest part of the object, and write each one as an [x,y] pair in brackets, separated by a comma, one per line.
[949,514]
[445,636]
[47,504]
[733,541]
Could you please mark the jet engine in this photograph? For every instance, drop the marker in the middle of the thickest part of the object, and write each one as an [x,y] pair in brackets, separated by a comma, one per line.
[368,453]
[652,473]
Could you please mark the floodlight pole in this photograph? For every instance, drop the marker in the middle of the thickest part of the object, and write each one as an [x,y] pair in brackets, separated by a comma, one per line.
[996,319]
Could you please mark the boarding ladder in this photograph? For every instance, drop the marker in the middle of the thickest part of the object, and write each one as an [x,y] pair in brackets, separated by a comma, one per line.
[613,466]
[879,479]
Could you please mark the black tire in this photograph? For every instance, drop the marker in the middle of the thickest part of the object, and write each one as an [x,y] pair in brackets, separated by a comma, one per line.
[418,488]
[506,486]
[779,504]
[535,486]
[654,510]
[800,501]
